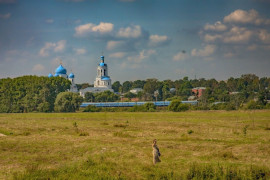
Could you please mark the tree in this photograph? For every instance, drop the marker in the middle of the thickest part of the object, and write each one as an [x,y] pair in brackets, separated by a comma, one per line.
[126,86]
[89,97]
[67,102]
[116,85]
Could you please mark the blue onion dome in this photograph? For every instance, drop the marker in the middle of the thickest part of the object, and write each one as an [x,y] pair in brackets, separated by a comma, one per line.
[71,75]
[101,64]
[50,75]
[56,75]
[104,78]
[102,57]
[61,70]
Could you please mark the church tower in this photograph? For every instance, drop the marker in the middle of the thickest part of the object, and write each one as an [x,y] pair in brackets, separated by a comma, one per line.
[103,80]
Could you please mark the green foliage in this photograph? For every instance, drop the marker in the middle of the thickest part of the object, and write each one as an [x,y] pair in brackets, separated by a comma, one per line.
[177,106]
[116,86]
[67,102]
[106,96]
[30,93]
[91,108]
[89,97]
[253,105]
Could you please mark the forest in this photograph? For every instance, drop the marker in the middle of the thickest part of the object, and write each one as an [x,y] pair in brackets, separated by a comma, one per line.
[43,94]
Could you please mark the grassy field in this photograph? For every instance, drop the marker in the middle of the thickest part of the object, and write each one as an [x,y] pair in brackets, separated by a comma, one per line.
[199,144]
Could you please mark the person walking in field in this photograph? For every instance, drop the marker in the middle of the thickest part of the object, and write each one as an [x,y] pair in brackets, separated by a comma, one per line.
[156,153]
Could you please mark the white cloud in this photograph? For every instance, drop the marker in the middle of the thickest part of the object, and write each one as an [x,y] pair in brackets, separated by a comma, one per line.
[130,32]
[264,36]
[218,26]
[156,40]
[206,51]
[180,56]
[114,44]
[80,51]
[5,16]
[38,68]
[237,35]
[87,29]
[244,17]
[49,46]
[141,56]
[49,21]
[60,46]
[117,55]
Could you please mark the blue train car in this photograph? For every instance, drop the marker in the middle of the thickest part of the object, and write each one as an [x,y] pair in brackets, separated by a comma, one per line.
[131,104]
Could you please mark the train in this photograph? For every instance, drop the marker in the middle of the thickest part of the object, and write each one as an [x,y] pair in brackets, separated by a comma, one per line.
[131,104]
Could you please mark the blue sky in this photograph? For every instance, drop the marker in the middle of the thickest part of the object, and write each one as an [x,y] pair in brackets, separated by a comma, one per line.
[140,39]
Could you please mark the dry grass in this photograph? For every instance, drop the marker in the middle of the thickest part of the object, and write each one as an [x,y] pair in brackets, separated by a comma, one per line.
[120,143]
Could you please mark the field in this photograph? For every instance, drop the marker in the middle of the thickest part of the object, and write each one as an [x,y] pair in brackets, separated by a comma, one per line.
[194,144]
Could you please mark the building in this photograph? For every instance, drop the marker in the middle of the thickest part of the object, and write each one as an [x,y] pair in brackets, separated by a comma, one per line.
[198,91]
[136,90]
[102,82]
[62,72]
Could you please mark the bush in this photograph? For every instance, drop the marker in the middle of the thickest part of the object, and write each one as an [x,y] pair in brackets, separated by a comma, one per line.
[149,106]
[253,105]
[67,102]
[92,108]
[177,106]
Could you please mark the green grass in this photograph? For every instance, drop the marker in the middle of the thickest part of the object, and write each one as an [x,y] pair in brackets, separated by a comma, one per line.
[194,145]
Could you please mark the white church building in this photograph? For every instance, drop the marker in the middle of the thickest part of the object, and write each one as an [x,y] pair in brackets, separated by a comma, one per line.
[62,72]
[102,82]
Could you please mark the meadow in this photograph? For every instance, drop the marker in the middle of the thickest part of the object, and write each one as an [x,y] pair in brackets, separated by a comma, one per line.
[117,145]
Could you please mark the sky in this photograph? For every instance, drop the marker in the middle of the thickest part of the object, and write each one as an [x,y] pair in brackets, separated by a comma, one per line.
[140,39]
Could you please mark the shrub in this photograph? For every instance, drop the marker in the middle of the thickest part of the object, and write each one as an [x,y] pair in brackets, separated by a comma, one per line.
[174,105]
[67,102]
[253,105]
[177,106]
[92,108]
[149,106]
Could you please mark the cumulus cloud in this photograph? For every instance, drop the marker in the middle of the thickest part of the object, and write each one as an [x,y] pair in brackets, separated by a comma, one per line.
[87,29]
[218,26]
[114,44]
[38,68]
[180,56]
[141,56]
[80,51]
[5,16]
[49,46]
[156,40]
[206,51]
[264,36]
[246,17]
[117,55]
[134,31]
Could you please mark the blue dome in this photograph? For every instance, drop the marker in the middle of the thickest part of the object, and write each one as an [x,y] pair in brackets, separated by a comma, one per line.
[101,64]
[61,70]
[50,75]
[56,75]
[105,78]
[102,57]
[71,75]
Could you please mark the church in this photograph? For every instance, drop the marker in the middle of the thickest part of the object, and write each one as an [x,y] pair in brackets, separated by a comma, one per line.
[101,84]
[103,80]
[62,72]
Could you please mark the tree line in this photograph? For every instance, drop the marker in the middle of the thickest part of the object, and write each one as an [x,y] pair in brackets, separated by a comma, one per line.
[43,94]
[33,94]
